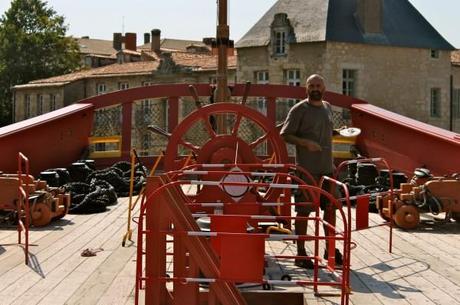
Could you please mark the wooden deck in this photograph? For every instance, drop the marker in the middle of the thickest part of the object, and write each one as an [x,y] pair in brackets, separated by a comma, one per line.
[423,269]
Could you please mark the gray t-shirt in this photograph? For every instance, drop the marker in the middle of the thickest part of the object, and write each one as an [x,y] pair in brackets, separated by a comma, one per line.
[313,123]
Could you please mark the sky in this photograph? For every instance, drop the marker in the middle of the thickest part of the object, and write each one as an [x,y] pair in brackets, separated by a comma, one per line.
[195,19]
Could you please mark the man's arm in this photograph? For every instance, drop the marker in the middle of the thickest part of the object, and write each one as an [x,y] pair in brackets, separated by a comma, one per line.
[310,145]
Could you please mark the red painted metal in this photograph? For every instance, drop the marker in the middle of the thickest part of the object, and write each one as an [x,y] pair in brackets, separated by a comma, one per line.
[167,198]
[51,140]
[406,143]
[209,153]
[23,208]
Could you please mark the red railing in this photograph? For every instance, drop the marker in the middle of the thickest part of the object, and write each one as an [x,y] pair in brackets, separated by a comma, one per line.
[23,210]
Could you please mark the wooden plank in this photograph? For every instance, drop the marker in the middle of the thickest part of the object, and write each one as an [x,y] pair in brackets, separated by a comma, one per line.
[116,274]
[58,255]
[94,276]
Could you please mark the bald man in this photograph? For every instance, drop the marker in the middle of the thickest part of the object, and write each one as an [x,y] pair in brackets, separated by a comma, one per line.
[309,127]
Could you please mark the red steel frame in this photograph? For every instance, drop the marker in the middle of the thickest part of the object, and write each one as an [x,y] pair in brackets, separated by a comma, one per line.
[154,202]
[23,204]
[364,212]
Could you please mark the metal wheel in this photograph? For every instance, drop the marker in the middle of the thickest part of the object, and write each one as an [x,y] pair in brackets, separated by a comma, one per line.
[232,142]
[240,139]
[407,217]
[41,214]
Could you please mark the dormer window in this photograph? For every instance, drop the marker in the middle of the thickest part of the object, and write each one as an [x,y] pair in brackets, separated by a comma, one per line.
[280,43]
[281,34]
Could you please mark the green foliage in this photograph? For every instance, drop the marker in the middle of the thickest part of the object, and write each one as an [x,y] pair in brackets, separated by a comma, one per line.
[33,45]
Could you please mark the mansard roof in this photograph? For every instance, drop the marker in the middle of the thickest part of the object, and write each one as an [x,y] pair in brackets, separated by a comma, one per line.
[335,20]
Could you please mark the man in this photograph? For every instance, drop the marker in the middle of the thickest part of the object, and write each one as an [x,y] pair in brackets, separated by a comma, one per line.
[309,127]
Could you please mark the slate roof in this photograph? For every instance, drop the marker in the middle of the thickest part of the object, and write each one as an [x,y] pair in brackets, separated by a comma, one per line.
[334,20]
[95,46]
[173,44]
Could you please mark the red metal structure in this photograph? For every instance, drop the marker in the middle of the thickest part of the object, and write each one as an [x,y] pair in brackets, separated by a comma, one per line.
[166,207]
[53,139]
[23,208]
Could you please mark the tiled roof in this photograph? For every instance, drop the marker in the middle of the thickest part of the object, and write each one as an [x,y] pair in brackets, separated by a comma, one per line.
[335,20]
[130,52]
[132,68]
[195,61]
[96,46]
[455,57]
[174,44]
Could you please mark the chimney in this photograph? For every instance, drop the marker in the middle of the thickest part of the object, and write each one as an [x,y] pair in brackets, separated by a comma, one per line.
[130,41]
[156,40]
[146,38]
[370,16]
[117,41]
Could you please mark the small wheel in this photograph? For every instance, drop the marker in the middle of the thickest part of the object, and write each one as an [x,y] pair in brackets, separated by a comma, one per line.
[286,277]
[407,217]
[41,214]
[456,216]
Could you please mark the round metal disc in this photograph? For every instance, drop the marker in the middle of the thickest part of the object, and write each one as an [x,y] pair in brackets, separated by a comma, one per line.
[350,132]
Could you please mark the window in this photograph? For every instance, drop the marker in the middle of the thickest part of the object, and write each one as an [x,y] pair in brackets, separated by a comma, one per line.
[434,53]
[456,103]
[147,83]
[280,42]
[435,103]
[123,86]
[100,89]
[292,79]
[212,80]
[26,106]
[349,82]
[261,77]
[39,104]
[52,102]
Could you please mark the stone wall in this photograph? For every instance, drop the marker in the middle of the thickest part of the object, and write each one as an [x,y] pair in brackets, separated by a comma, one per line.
[46,92]
[394,78]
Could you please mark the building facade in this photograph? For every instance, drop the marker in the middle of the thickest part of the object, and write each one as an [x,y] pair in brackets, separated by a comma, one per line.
[381,51]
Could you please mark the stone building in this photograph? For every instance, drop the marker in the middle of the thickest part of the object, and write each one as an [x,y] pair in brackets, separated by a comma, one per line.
[382,51]
[179,61]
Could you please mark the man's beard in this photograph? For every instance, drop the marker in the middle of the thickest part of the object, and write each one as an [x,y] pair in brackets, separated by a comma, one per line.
[315,95]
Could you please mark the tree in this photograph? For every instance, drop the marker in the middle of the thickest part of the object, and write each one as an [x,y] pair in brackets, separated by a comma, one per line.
[33,45]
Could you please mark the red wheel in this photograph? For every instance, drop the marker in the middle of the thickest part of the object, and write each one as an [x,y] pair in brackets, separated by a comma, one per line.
[407,217]
[223,145]
[244,133]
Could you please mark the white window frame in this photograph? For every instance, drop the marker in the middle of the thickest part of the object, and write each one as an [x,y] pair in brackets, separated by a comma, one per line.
[292,77]
[123,85]
[101,88]
[52,104]
[262,78]
[279,42]
[349,77]
[435,102]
